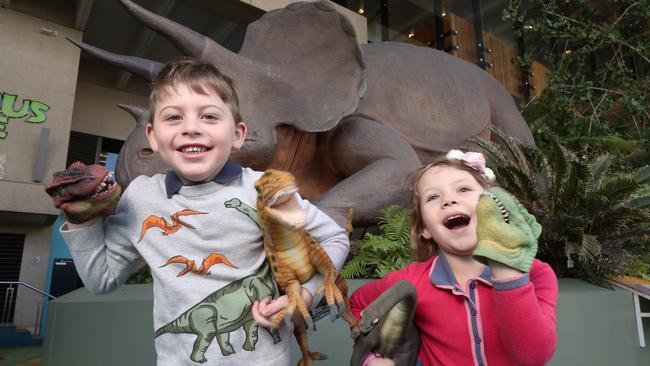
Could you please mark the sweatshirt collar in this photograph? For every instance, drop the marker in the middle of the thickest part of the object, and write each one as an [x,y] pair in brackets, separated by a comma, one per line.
[442,276]
[229,172]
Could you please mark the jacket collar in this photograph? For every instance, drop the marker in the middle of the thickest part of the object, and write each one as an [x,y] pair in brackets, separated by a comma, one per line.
[442,276]
[229,172]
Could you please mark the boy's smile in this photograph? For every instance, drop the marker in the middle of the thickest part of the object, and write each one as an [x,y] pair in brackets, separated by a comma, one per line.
[194,133]
[448,199]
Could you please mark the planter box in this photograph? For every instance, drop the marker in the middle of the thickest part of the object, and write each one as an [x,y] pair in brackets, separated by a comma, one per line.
[596,326]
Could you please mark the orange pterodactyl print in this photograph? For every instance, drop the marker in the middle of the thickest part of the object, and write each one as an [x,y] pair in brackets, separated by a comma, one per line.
[209,261]
[161,223]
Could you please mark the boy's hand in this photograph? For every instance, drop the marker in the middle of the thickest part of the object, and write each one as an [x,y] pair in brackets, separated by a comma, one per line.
[506,232]
[264,310]
[84,192]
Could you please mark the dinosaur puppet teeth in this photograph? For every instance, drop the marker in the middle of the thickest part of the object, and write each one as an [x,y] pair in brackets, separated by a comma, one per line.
[502,208]
[281,195]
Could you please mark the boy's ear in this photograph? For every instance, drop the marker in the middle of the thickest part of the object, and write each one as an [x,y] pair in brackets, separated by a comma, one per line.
[148,129]
[240,134]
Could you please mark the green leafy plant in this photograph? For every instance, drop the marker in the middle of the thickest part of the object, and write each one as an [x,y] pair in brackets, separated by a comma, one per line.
[379,254]
[592,222]
[140,276]
[596,96]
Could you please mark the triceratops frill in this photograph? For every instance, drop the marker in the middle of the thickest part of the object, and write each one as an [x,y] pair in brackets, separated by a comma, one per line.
[377,110]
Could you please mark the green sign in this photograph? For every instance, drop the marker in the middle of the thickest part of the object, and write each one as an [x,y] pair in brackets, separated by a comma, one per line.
[33,110]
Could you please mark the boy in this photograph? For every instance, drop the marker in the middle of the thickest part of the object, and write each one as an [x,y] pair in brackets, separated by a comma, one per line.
[203,209]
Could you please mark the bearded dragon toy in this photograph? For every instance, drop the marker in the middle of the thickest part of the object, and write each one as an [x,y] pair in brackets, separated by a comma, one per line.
[295,257]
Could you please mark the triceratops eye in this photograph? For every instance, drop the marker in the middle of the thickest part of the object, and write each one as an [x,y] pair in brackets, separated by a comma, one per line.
[375,321]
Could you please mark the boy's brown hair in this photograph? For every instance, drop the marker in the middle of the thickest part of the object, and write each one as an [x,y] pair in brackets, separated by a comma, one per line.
[200,77]
[422,247]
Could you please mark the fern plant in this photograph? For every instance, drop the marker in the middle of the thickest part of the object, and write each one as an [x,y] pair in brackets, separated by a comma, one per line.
[592,222]
[379,254]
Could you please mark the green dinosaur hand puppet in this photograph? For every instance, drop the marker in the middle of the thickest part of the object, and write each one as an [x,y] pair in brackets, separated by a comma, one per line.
[84,192]
[506,232]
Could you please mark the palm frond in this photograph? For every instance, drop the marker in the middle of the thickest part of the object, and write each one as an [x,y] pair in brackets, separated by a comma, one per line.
[590,248]
[640,202]
[599,167]
[642,175]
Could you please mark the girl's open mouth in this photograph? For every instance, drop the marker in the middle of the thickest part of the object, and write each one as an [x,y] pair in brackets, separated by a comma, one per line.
[457,221]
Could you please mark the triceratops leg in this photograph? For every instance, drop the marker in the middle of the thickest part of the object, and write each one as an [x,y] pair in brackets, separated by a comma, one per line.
[368,154]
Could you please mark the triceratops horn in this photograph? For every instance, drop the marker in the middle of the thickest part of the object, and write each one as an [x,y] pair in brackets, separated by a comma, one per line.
[146,68]
[188,41]
[140,114]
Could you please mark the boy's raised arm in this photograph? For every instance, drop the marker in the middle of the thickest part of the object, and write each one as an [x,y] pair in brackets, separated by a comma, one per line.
[331,236]
[85,194]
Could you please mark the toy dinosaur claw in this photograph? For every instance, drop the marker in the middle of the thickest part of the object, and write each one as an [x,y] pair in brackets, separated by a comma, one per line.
[334,312]
[287,319]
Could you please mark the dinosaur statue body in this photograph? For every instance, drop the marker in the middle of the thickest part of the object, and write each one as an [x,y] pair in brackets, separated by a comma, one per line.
[223,312]
[387,327]
[295,256]
[375,111]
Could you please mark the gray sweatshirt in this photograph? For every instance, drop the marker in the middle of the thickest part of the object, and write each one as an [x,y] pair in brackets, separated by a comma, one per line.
[205,251]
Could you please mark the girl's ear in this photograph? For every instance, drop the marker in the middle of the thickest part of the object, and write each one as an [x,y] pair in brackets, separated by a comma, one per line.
[426,233]
[148,129]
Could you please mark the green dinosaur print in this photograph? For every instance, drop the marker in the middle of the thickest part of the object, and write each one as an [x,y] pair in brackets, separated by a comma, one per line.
[240,206]
[223,312]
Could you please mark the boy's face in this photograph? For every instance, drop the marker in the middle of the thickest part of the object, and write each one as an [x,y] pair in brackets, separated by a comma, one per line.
[448,199]
[194,133]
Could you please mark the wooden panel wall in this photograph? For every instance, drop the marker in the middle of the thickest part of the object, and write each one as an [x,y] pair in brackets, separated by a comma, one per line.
[538,78]
[462,37]
[503,67]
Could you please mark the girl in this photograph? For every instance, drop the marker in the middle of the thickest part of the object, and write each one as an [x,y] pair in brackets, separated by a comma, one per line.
[467,313]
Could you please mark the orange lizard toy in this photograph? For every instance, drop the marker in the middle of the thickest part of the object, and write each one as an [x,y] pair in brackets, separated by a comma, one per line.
[295,256]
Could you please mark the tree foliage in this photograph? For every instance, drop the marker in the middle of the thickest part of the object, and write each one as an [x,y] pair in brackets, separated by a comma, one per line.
[597,92]
[592,222]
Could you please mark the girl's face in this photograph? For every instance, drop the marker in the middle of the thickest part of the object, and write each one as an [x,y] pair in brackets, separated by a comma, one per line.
[448,198]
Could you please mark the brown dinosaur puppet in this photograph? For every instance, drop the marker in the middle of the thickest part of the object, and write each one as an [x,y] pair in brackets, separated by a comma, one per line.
[84,192]
[295,257]
[373,111]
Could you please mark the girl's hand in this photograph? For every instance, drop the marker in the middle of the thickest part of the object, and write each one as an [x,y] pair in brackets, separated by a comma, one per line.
[381,362]
[501,272]
[263,311]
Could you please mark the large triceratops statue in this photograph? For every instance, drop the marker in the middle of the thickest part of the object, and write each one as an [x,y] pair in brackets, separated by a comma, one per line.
[373,111]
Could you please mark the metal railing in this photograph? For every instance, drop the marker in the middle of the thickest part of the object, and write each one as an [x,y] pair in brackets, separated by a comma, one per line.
[9,300]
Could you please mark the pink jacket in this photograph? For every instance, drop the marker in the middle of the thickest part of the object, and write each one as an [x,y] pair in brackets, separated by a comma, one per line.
[493,323]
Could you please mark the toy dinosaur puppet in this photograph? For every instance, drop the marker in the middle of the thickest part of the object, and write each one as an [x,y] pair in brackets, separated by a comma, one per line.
[84,192]
[295,256]
[506,232]
[387,327]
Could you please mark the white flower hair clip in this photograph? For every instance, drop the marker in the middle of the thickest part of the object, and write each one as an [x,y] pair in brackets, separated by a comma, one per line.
[475,161]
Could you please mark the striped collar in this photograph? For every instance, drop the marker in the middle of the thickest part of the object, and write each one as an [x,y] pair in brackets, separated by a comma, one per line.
[441,275]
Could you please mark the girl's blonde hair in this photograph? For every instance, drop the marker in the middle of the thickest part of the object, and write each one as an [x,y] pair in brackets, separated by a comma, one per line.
[422,247]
